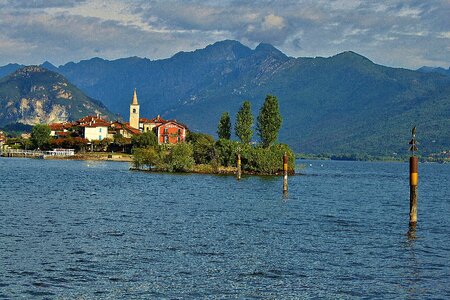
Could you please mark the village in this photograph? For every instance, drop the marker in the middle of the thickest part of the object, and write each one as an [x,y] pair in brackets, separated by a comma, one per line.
[96,133]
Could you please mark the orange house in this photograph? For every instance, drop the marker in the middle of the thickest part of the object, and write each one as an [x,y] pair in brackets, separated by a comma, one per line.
[171,132]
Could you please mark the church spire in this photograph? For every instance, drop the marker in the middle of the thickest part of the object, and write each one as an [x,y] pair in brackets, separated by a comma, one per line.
[134,101]
[134,111]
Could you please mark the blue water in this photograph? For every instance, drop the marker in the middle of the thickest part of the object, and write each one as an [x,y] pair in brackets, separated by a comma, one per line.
[83,230]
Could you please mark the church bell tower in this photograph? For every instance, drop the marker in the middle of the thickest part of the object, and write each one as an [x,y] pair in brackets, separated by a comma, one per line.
[134,111]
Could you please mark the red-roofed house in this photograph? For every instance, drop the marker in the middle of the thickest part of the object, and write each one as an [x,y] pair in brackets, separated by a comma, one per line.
[170,132]
[93,128]
[124,129]
[60,129]
[148,124]
[167,131]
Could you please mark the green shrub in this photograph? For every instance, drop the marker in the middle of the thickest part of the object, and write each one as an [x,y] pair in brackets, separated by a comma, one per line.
[203,147]
[145,157]
[226,151]
[180,158]
[267,160]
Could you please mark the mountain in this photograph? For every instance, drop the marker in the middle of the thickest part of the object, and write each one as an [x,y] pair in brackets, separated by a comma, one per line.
[439,70]
[33,95]
[9,68]
[340,104]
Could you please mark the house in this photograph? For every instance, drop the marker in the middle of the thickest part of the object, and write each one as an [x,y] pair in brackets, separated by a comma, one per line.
[60,130]
[170,132]
[167,131]
[93,128]
[123,129]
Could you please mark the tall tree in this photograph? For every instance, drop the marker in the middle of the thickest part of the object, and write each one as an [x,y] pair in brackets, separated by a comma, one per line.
[224,127]
[244,123]
[40,135]
[269,121]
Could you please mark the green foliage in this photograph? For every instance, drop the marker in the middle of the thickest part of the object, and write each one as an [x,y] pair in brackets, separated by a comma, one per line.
[177,158]
[226,152]
[267,160]
[224,128]
[180,158]
[145,157]
[124,144]
[40,136]
[244,123]
[144,140]
[203,147]
[269,121]
[19,143]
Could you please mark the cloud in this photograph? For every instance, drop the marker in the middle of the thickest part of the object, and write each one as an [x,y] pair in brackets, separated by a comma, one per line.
[60,31]
[40,4]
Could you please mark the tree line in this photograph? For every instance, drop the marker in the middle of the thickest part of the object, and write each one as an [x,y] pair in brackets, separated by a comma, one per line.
[268,123]
[203,153]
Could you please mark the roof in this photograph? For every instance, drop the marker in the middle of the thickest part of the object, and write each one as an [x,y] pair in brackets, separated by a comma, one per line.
[60,126]
[62,133]
[92,121]
[135,100]
[95,124]
[172,122]
[125,126]
[156,120]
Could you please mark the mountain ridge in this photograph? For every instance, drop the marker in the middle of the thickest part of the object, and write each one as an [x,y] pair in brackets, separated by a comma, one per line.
[343,103]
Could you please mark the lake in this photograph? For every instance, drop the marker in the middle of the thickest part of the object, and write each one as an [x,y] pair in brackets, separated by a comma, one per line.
[86,229]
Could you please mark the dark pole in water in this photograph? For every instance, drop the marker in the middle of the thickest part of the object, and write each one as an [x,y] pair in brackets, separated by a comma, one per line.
[285,170]
[413,180]
[239,166]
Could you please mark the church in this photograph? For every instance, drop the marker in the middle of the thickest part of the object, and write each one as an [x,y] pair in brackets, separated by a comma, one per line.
[167,131]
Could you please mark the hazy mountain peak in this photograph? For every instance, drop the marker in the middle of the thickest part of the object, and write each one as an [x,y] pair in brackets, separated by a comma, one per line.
[33,95]
[49,66]
[268,49]
[351,56]
[439,70]
[223,50]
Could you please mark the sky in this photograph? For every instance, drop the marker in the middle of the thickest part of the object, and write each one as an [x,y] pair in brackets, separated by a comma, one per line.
[407,34]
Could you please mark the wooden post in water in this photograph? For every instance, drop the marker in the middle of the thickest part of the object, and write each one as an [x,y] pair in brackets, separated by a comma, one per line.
[413,181]
[285,170]
[239,166]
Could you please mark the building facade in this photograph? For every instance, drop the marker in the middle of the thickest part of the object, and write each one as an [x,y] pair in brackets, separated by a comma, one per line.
[167,131]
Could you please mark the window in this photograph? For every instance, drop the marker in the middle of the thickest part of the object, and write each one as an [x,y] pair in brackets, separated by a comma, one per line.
[99,137]
[166,130]
[134,110]
[179,131]
[179,139]
[166,139]
[100,130]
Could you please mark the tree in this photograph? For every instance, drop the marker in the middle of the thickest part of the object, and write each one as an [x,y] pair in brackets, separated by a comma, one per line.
[244,123]
[269,121]
[40,135]
[224,128]
[145,157]
[180,158]
[144,140]
[203,147]
[120,141]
